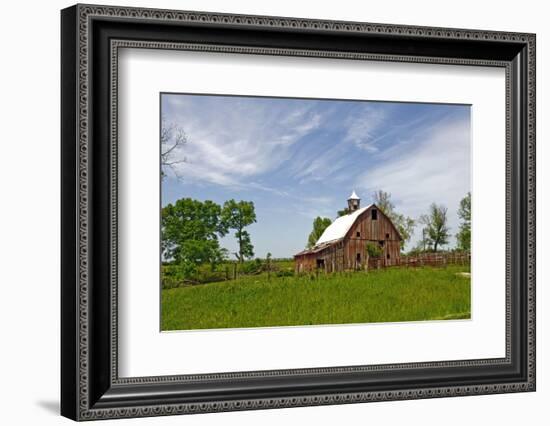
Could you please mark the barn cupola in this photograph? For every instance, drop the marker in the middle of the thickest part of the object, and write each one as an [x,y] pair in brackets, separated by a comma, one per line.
[354,202]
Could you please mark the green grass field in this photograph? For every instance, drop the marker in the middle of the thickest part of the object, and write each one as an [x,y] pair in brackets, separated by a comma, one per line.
[385,295]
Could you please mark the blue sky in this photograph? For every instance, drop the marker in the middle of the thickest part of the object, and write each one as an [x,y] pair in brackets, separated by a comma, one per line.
[301,158]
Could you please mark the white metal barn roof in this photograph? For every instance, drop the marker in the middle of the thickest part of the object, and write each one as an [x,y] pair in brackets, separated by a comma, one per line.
[340,227]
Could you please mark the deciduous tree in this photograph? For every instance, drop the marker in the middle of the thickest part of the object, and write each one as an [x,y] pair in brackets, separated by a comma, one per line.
[343,212]
[237,216]
[404,224]
[189,233]
[436,229]
[319,226]
[463,238]
[172,138]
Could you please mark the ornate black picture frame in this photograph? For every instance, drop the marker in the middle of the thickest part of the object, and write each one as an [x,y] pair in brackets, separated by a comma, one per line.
[91,37]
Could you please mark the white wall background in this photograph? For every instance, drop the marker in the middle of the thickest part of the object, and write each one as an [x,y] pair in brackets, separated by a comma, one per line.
[29,214]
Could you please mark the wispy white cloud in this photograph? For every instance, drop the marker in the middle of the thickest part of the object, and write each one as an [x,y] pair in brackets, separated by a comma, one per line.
[231,142]
[431,166]
[320,165]
[310,209]
[363,126]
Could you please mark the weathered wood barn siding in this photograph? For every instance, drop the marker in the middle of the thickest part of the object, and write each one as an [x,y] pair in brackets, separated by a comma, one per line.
[378,231]
[350,252]
[332,257]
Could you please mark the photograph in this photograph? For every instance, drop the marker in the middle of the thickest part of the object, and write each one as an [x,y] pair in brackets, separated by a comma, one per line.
[279,211]
[264,209]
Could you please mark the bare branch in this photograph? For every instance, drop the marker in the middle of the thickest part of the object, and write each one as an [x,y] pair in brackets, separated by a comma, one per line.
[172,137]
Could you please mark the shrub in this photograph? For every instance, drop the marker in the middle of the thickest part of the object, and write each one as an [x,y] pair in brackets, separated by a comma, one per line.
[187,269]
[251,266]
[180,275]
[374,250]
[169,282]
[170,276]
[206,275]
[284,273]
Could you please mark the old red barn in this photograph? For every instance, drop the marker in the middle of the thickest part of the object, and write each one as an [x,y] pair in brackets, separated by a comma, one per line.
[343,245]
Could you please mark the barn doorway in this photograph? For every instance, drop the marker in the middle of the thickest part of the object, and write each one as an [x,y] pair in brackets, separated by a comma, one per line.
[358,261]
[320,263]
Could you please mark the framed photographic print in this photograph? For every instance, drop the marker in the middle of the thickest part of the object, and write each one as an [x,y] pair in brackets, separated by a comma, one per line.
[263,212]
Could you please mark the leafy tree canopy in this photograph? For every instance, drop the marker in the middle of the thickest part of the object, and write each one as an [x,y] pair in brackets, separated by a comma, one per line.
[373,250]
[463,238]
[343,212]
[190,231]
[319,226]
[404,224]
[238,215]
[436,230]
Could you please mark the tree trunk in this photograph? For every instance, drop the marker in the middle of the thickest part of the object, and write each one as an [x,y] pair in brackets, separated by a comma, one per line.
[240,246]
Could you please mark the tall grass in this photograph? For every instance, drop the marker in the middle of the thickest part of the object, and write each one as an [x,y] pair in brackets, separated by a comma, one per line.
[386,295]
